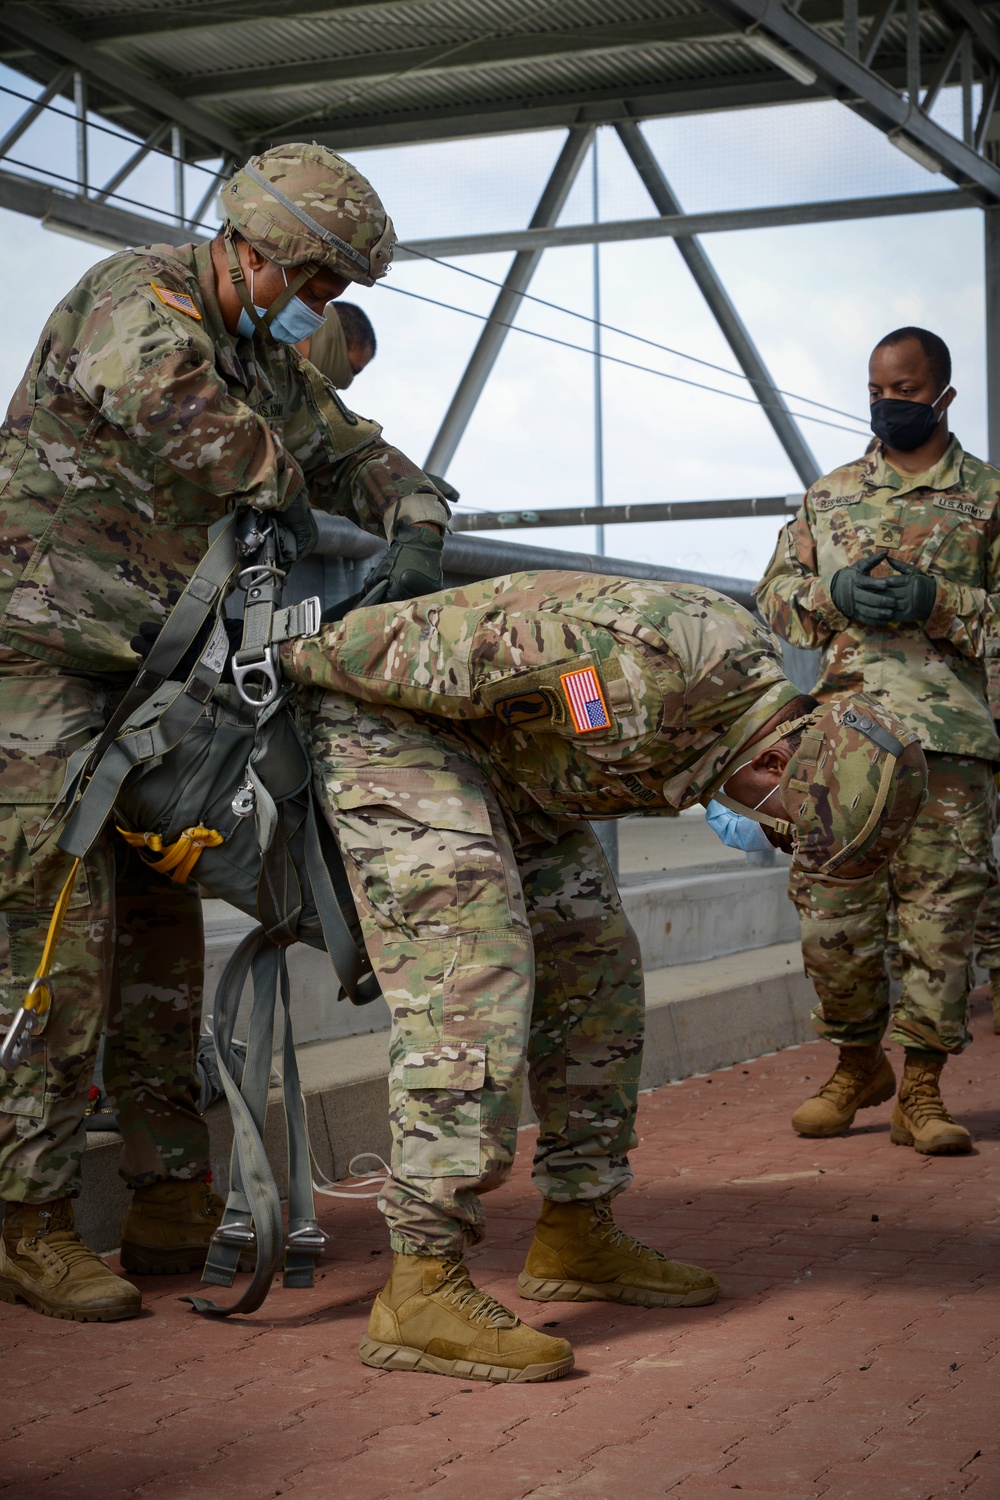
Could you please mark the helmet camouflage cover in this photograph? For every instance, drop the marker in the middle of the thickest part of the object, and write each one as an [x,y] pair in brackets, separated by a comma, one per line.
[851,796]
[303,205]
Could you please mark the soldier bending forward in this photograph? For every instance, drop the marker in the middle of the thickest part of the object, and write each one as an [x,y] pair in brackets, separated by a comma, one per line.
[493,722]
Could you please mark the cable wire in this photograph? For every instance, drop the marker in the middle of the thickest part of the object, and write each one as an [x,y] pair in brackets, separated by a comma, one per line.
[130,140]
[446,265]
[624,333]
[615,359]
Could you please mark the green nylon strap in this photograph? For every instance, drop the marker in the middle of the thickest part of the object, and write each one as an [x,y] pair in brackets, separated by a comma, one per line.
[110,758]
[253,1198]
[340,945]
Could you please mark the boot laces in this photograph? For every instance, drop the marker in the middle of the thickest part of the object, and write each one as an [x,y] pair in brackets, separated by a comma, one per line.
[607,1230]
[922,1100]
[851,1070]
[64,1242]
[479,1307]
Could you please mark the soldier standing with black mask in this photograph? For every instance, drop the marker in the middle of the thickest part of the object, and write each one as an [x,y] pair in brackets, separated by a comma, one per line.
[892,569]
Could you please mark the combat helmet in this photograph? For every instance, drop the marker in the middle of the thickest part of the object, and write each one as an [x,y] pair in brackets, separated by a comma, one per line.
[306,207]
[850,795]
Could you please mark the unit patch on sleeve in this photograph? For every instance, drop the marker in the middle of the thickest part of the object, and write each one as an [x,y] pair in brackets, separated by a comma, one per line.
[585,699]
[179,301]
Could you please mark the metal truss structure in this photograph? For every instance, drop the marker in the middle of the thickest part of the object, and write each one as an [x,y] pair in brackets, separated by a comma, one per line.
[209,81]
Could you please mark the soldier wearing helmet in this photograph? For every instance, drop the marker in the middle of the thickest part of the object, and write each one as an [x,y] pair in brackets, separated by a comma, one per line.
[163,392]
[460,744]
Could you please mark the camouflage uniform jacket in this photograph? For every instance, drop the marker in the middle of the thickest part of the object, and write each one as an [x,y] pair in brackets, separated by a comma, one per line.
[139,422]
[686,678]
[946,522]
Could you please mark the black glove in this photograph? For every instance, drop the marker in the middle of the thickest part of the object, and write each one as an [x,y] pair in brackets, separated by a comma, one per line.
[859,597]
[149,630]
[913,594]
[410,566]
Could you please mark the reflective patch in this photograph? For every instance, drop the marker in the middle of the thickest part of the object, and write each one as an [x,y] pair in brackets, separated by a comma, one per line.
[179,301]
[587,707]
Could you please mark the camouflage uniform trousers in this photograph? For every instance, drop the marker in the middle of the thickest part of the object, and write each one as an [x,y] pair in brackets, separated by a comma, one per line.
[988,923]
[498,953]
[130,953]
[936,879]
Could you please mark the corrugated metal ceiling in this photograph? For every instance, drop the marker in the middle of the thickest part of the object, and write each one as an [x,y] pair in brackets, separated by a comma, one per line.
[383,70]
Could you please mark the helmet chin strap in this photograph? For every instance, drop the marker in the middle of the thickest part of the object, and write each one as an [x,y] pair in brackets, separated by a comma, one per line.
[238,278]
[782,826]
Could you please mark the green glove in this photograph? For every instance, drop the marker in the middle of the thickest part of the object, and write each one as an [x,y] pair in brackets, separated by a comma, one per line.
[913,594]
[859,597]
[411,565]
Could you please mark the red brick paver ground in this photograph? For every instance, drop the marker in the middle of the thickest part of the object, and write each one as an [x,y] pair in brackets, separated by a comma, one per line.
[854,1353]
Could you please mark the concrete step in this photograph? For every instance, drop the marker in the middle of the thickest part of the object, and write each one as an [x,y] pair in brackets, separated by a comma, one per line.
[700,1016]
[685,917]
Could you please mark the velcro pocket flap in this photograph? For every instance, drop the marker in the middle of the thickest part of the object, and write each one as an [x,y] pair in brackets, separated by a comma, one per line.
[434,799]
[447,1067]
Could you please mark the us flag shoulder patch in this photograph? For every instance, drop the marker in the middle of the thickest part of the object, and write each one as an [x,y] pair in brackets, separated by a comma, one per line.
[179,301]
[587,707]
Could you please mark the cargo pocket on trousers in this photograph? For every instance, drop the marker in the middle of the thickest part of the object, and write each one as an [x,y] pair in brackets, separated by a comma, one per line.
[425,849]
[441,1114]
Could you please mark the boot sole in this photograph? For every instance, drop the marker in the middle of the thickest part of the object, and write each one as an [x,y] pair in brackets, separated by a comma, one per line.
[537,1290]
[12,1291]
[879,1096]
[400,1357]
[900,1137]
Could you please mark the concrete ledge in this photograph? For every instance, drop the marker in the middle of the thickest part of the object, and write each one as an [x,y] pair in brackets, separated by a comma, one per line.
[699,1016]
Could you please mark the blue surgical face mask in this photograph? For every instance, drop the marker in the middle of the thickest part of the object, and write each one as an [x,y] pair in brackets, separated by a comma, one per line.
[735,831]
[291,325]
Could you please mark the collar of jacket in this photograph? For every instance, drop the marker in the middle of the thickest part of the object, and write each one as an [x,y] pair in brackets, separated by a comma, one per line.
[946,474]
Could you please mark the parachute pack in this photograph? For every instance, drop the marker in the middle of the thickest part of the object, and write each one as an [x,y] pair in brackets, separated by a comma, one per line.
[213,781]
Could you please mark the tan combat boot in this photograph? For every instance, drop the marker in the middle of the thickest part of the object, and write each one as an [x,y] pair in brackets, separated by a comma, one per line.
[168,1226]
[580,1255]
[863,1077]
[920,1118]
[995,997]
[44,1262]
[430,1317]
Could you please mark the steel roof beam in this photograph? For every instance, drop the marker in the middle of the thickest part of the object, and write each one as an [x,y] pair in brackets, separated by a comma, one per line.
[27,24]
[585,107]
[516,283]
[31,114]
[971,15]
[723,310]
[868,94]
[675,226]
[87,218]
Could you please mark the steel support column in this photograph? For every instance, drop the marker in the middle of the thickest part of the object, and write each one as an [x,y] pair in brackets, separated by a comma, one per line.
[775,409]
[991,232]
[516,283]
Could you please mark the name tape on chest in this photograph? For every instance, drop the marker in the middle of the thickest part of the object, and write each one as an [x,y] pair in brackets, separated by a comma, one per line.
[179,301]
[585,700]
[961,507]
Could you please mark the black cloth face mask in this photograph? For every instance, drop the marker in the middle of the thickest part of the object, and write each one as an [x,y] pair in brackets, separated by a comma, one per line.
[905,425]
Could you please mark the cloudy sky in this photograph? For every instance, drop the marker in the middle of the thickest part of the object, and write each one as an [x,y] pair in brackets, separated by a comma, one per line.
[814,298]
